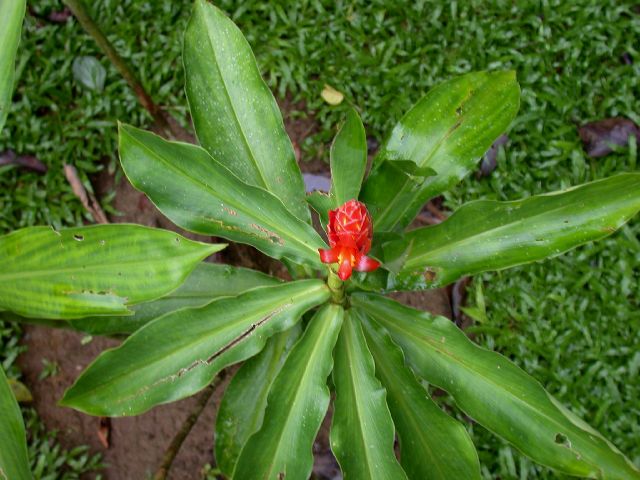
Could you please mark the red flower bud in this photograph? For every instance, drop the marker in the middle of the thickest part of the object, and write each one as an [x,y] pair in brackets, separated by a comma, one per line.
[350,231]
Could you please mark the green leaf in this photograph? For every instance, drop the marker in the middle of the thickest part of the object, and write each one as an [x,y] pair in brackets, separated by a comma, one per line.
[296,405]
[348,159]
[429,438]
[201,195]
[497,394]
[94,270]
[362,432]
[242,408]
[234,113]
[14,460]
[489,235]
[11,16]
[180,353]
[89,72]
[447,131]
[321,204]
[206,283]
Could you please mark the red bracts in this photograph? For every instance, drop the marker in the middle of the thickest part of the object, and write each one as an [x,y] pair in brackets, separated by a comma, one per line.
[350,232]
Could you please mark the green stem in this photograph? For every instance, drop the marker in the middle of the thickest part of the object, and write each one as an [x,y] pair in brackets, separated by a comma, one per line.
[336,286]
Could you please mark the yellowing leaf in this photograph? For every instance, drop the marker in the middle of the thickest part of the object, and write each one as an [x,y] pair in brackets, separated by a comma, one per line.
[331,95]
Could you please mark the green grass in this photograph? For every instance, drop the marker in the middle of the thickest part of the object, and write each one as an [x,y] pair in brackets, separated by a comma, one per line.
[60,121]
[572,321]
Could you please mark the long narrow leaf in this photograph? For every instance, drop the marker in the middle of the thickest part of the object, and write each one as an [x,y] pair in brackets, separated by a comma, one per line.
[321,204]
[11,16]
[362,432]
[498,394]
[208,282]
[348,159]
[445,133]
[14,460]
[489,235]
[296,405]
[234,113]
[242,408]
[180,353]
[430,439]
[199,194]
[97,270]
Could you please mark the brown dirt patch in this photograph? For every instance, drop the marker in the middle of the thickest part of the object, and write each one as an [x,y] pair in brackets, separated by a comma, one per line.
[136,443]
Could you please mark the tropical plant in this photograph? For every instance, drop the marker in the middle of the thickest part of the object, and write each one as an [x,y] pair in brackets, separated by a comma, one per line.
[186,321]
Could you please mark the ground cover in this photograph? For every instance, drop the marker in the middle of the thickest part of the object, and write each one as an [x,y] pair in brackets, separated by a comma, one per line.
[572,322]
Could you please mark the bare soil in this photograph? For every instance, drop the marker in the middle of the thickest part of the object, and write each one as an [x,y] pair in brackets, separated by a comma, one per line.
[137,444]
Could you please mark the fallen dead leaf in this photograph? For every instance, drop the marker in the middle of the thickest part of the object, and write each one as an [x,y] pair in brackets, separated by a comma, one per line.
[490,159]
[331,95]
[87,199]
[20,391]
[60,16]
[26,161]
[104,431]
[458,296]
[599,137]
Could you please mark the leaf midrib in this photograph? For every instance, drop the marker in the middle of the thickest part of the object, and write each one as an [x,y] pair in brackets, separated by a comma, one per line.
[499,387]
[191,345]
[252,156]
[272,370]
[425,160]
[297,395]
[350,363]
[409,409]
[417,260]
[238,206]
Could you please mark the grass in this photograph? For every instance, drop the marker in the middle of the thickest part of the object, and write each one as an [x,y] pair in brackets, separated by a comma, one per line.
[48,459]
[572,321]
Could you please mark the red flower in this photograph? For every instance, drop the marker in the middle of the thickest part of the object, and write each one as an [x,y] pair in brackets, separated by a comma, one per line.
[349,231]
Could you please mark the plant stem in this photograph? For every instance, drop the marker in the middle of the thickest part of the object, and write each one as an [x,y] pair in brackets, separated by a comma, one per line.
[174,447]
[81,12]
[336,286]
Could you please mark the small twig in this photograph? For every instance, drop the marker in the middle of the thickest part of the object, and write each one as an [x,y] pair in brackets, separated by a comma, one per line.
[174,447]
[87,198]
[81,12]
[427,220]
[435,211]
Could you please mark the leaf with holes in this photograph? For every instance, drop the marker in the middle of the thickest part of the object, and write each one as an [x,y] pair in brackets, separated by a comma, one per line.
[447,132]
[208,282]
[98,270]
[489,235]
[497,394]
[180,353]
